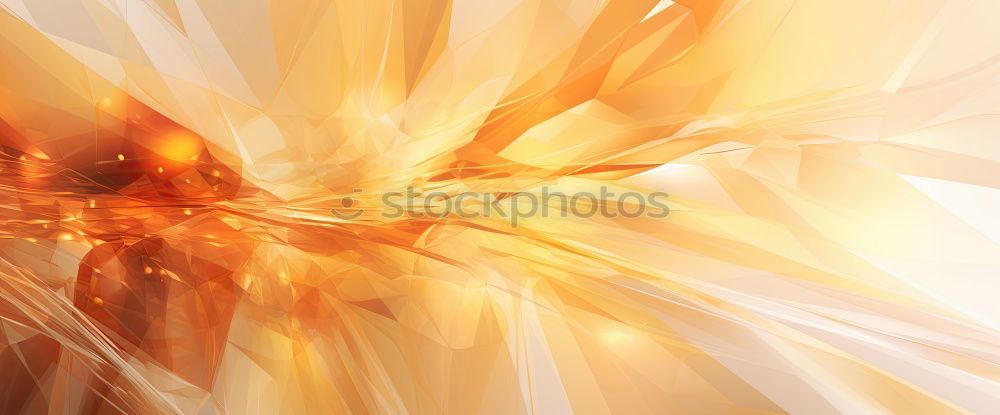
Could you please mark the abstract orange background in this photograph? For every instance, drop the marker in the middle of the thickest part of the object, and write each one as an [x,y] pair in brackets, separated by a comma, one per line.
[168,169]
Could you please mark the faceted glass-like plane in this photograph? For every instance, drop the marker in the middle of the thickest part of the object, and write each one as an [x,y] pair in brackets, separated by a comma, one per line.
[194,213]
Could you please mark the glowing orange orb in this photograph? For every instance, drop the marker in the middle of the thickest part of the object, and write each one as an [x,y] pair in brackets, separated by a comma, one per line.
[179,147]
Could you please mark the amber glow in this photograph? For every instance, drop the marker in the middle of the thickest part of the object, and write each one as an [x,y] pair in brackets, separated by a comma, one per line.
[179,147]
[169,169]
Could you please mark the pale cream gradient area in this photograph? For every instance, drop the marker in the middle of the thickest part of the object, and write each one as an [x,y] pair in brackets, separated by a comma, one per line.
[168,169]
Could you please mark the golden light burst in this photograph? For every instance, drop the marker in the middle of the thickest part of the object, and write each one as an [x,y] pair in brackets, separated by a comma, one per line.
[194,215]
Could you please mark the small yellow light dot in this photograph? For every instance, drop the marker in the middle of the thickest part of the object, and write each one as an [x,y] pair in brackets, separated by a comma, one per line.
[98,301]
[159,169]
[187,212]
[216,173]
[188,181]
[93,203]
[66,237]
[121,157]
[106,102]
[147,270]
